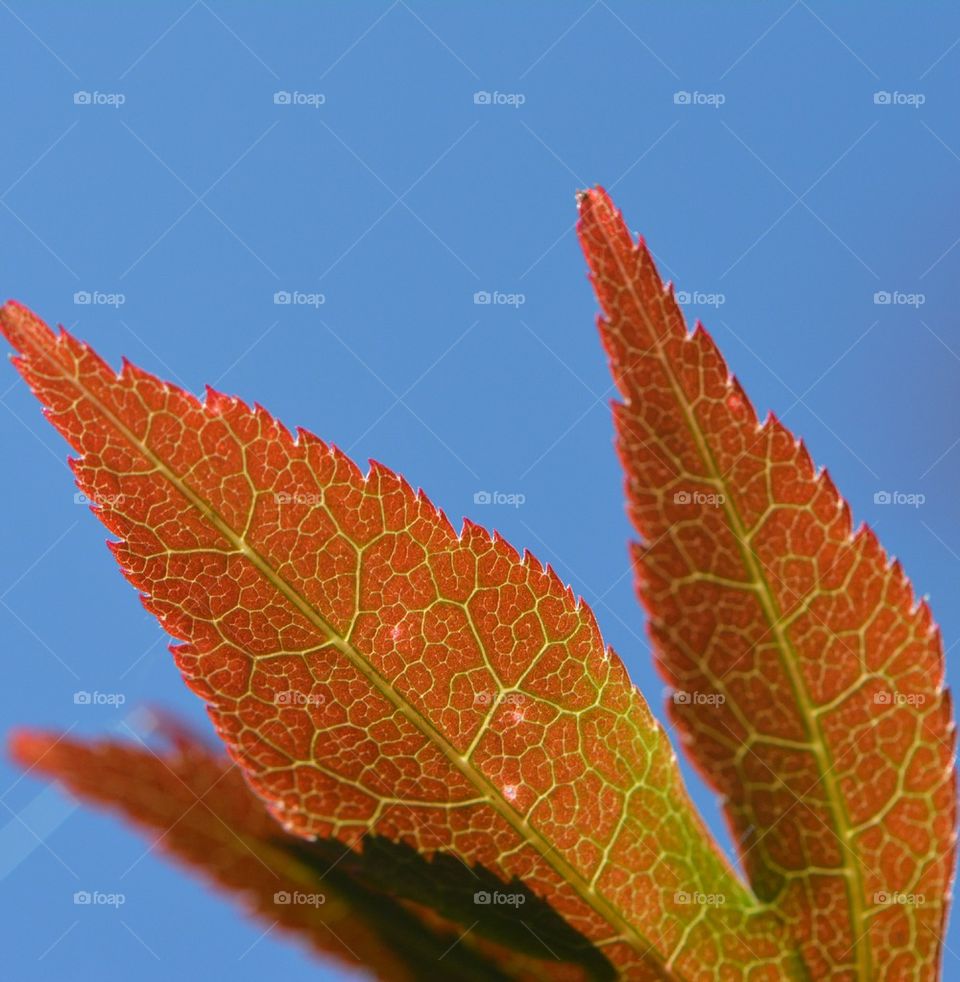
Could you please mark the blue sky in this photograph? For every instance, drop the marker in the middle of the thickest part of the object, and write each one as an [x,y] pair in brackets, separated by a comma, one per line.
[793,165]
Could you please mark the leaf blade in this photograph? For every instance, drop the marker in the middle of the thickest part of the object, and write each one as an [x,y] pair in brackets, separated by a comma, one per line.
[290,574]
[791,609]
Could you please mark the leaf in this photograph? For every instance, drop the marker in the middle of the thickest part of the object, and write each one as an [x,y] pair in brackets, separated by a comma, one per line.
[809,681]
[370,668]
[203,814]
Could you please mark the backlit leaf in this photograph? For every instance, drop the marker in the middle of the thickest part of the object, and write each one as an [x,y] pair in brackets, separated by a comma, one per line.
[809,681]
[372,669]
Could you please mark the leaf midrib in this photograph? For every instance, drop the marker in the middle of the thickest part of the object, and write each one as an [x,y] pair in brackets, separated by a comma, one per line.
[520,825]
[788,656]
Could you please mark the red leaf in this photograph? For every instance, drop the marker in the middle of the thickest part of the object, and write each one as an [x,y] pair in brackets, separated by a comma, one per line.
[372,669]
[811,681]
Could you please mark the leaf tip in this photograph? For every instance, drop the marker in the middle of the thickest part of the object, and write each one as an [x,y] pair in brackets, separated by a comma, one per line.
[596,196]
[23,329]
[599,216]
[28,747]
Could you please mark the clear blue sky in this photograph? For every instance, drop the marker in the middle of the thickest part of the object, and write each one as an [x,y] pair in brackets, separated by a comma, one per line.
[397,197]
